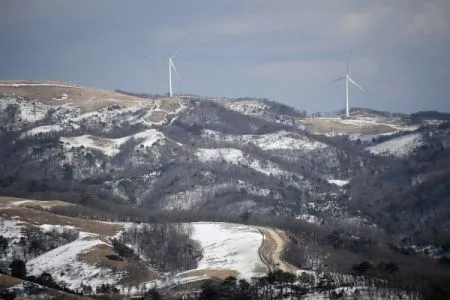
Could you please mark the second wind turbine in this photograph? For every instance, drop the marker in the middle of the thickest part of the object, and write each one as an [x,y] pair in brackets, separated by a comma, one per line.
[348,79]
[171,67]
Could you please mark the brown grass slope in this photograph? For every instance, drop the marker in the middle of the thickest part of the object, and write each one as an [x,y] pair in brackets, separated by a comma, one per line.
[86,98]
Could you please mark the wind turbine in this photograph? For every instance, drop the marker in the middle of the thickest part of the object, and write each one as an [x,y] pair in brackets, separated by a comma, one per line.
[171,67]
[348,79]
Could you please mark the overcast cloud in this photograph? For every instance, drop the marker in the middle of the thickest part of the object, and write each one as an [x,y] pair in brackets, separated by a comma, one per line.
[282,50]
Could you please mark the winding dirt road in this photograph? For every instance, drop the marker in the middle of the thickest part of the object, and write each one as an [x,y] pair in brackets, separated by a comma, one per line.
[271,250]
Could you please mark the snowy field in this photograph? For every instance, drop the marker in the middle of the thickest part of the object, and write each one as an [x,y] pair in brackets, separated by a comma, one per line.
[229,246]
[398,147]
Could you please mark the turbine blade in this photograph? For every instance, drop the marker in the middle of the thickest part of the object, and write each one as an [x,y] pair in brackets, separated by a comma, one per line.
[173,67]
[355,83]
[348,64]
[336,80]
[176,52]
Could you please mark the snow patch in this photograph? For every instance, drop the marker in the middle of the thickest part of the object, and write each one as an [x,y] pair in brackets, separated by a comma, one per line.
[398,147]
[309,218]
[247,107]
[111,147]
[273,141]
[63,265]
[57,228]
[20,202]
[237,157]
[338,182]
[36,84]
[27,111]
[64,97]
[10,229]
[149,137]
[43,204]
[42,129]
[366,122]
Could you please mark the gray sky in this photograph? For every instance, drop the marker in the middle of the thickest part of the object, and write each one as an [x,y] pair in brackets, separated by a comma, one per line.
[281,50]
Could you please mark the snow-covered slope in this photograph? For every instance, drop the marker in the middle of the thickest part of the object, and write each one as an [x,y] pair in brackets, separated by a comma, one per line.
[247,107]
[111,147]
[272,141]
[64,266]
[229,247]
[398,147]
[236,156]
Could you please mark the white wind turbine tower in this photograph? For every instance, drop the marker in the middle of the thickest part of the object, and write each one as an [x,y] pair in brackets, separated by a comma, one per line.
[171,67]
[348,79]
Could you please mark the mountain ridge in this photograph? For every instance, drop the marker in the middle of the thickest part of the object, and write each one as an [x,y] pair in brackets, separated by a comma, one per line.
[189,153]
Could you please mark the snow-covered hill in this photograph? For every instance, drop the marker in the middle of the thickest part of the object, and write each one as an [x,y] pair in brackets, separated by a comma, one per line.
[189,154]
[63,265]
[135,148]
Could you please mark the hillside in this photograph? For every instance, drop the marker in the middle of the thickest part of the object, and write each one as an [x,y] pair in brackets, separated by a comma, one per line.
[372,180]
[83,145]
[160,153]
[82,254]
[70,257]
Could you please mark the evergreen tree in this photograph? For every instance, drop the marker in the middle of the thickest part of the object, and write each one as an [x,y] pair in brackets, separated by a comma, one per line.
[18,268]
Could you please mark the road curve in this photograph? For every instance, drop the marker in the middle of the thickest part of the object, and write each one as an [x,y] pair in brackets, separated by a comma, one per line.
[260,251]
[272,248]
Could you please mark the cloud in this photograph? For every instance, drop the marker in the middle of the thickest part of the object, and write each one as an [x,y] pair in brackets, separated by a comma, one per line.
[431,18]
[356,23]
[318,72]
[253,47]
